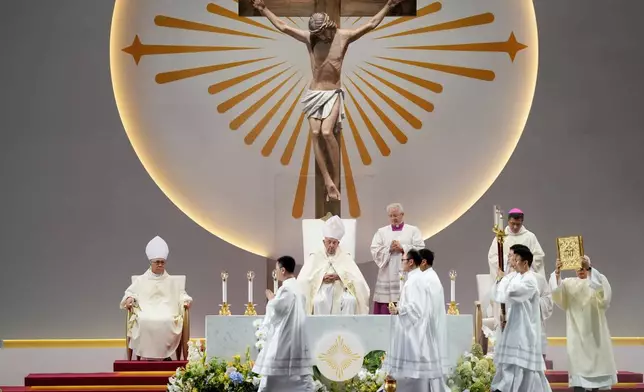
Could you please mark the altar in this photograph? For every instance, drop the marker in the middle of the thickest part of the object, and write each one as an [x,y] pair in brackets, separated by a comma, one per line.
[227,336]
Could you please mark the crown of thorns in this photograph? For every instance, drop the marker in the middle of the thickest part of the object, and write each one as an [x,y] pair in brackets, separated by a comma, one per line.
[327,23]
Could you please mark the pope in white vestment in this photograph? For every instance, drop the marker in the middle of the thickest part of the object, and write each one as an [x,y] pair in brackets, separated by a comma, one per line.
[157,304]
[330,278]
[588,341]
[413,359]
[285,363]
[388,246]
[520,366]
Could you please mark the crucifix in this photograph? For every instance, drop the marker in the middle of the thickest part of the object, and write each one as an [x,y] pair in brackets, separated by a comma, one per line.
[327,44]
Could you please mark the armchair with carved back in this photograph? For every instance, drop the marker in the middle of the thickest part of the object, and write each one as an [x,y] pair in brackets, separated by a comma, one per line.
[182,349]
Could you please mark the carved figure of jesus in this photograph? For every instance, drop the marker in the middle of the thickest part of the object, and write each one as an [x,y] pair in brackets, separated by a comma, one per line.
[324,101]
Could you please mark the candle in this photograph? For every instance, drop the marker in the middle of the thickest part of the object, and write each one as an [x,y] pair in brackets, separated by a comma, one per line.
[224,291]
[495,220]
[250,275]
[452,291]
[275,283]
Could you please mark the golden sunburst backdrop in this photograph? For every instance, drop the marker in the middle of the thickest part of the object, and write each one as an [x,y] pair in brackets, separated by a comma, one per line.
[435,105]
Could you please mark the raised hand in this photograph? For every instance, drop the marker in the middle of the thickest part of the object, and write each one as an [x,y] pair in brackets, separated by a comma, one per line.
[558,267]
[258,4]
[393,3]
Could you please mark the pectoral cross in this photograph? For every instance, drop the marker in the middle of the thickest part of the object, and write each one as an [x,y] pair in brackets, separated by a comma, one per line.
[335,9]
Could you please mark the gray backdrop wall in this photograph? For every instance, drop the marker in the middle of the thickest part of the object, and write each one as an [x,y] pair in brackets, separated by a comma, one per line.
[78,207]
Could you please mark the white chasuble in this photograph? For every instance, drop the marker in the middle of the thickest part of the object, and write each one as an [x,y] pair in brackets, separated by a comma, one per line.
[546,306]
[348,296]
[413,352]
[588,340]
[519,362]
[286,354]
[388,282]
[157,319]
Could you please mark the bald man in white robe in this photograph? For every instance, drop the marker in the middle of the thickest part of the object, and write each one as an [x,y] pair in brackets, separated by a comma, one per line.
[157,304]
[330,278]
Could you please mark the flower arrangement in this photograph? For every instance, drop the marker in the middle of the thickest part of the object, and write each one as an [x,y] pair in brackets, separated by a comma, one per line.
[260,334]
[371,376]
[474,372]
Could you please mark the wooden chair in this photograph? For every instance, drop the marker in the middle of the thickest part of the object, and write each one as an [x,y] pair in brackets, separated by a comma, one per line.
[182,349]
[484,313]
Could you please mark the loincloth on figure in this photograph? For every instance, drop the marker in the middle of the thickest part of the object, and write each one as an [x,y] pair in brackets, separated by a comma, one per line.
[319,103]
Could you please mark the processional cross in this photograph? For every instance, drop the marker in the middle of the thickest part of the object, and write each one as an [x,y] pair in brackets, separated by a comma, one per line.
[335,9]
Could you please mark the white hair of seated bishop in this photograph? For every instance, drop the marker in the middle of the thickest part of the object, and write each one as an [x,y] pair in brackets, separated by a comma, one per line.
[395,206]
[333,228]
[156,249]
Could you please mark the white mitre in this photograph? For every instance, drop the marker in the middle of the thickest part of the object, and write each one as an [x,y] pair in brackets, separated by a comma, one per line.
[157,249]
[333,228]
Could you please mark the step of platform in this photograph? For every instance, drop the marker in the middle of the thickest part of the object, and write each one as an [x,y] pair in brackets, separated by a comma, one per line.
[146,366]
[559,376]
[85,379]
[95,388]
[626,387]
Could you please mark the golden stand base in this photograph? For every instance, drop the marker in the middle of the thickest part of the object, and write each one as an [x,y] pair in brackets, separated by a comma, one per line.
[250,310]
[225,309]
[452,308]
[390,385]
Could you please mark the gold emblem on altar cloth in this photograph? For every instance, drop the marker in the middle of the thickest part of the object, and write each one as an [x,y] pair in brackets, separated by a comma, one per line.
[339,355]
[570,250]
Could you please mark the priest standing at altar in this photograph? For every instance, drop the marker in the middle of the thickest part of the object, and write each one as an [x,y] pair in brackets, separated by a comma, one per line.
[413,359]
[330,278]
[157,304]
[520,366]
[389,245]
[588,341]
[286,362]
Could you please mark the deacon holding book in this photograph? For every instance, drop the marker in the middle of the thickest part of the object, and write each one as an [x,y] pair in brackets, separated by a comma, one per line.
[588,341]
[286,362]
[520,366]
[330,278]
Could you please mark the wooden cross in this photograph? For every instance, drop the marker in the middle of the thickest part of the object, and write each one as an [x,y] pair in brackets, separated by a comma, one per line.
[335,9]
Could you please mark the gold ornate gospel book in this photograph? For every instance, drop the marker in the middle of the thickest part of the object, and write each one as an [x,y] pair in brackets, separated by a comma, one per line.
[570,250]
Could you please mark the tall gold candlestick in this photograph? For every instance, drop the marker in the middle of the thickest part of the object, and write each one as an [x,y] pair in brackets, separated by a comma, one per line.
[452,307]
[225,308]
[250,306]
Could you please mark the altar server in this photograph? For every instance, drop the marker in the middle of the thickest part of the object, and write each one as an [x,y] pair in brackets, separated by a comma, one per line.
[330,278]
[437,303]
[157,303]
[389,245]
[546,305]
[516,233]
[520,366]
[413,359]
[286,362]
[588,341]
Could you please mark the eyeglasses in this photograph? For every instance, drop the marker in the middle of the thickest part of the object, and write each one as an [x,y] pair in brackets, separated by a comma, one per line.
[405,259]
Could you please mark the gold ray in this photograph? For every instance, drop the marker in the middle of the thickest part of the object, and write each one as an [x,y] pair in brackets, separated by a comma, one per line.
[292,141]
[428,84]
[423,103]
[428,9]
[246,114]
[352,193]
[470,21]
[362,149]
[138,49]
[175,23]
[173,76]
[377,138]
[356,21]
[511,47]
[292,21]
[300,192]
[474,73]
[406,115]
[393,128]
[221,86]
[261,124]
[226,13]
[272,140]
[232,102]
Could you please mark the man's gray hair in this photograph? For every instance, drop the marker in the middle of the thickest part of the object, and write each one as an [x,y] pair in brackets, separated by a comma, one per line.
[395,206]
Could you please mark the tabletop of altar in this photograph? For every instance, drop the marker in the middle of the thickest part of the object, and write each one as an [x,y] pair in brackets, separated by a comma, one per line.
[227,336]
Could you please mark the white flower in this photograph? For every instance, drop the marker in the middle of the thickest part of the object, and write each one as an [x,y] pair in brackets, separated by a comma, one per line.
[363,374]
[258,323]
[260,334]
[199,343]
[260,344]
[380,376]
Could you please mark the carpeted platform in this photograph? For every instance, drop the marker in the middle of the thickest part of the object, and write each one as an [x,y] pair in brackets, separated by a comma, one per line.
[146,366]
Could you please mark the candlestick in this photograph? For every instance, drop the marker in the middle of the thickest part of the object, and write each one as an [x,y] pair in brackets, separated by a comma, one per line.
[452,308]
[224,287]
[250,275]
[275,283]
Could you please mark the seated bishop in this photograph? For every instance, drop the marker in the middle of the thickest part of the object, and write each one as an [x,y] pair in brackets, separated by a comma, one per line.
[157,303]
[330,278]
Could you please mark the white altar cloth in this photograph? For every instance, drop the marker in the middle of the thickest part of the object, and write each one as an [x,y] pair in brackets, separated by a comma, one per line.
[231,335]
